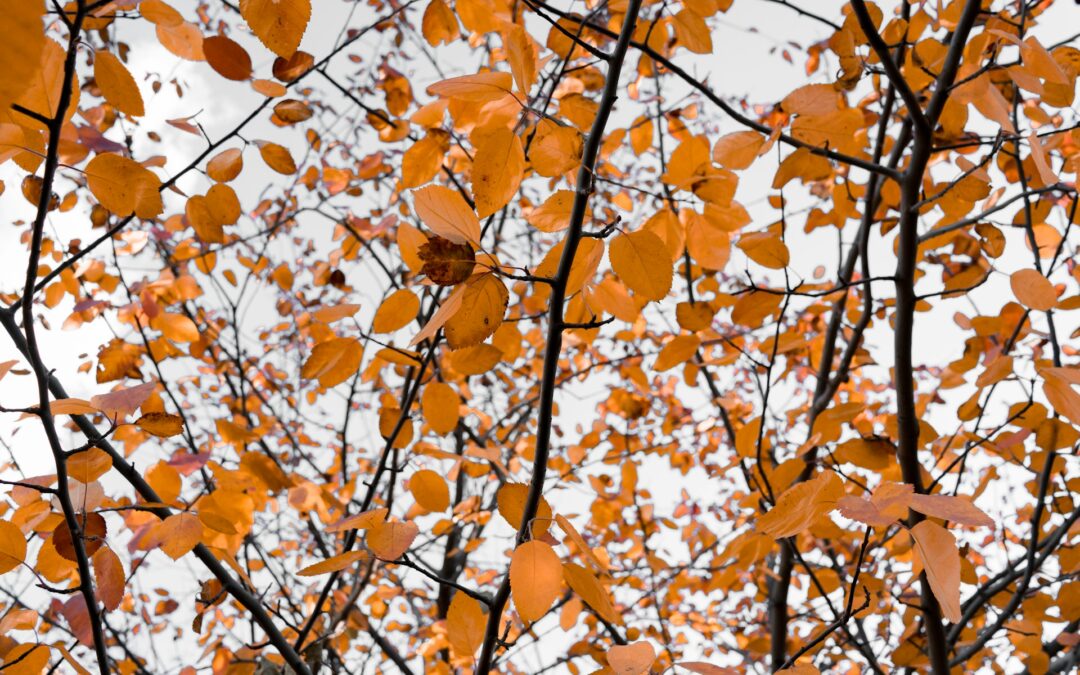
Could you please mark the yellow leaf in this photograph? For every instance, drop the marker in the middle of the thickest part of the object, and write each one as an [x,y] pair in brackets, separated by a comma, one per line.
[511,503]
[483,306]
[498,166]
[334,564]
[465,625]
[1033,290]
[632,659]
[390,539]
[161,424]
[940,558]
[801,505]
[334,361]
[478,88]
[535,579]
[678,351]
[445,212]
[117,85]
[430,490]
[279,24]
[440,405]
[738,150]
[24,41]
[12,546]
[641,261]
[124,186]
[400,308]
[586,585]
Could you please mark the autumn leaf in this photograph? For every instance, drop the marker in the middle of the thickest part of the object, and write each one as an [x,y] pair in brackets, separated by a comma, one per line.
[940,558]
[535,579]
[801,505]
[483,307]
[335,564]
[430,490]
[497,171]
[117,84]
[279,24]
[446,263]
[440,404]
[446,214]
[124,186]
[12,546]
[390,539]
[465,624]
[632,659]
[479,88]
[334,361]
[160,424]
[642,263]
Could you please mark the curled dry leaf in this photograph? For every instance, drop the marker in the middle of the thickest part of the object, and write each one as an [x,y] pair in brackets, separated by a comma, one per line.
[446,263]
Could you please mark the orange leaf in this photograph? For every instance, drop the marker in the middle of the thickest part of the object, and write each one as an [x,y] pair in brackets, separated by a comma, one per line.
[391,538]
[334,361]
[498,165]
[465,624]
[161,424]
[396,312]
[586,585]
[940,558]
[445,212]
[479,88]
[1033,290]
[109,577]
[535,579]
[117,85]
[279,24]
[124,186]
[334,564]
[89,465]
[483,306]
[642,262]
[228,58]
[632,659]
[179,533]
[361,521]
[511,503]
[226,165]
[12,546]
[440,405]
[738,150]
[679,350]
[430,490]
[277,157]
[801,505]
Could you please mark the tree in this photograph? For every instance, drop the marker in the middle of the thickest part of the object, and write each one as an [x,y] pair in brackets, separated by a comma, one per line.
[486,336]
